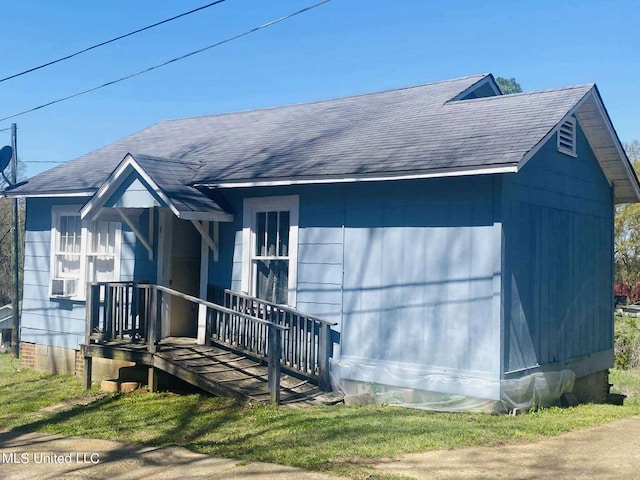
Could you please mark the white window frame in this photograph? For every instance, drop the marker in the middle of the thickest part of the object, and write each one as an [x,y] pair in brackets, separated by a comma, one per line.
[251,207]
[73,211]
[560,134]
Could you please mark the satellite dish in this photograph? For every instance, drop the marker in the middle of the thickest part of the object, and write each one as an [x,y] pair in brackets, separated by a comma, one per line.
[5,157]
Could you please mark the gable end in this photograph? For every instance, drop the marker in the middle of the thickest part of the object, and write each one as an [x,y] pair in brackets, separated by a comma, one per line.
[486,87]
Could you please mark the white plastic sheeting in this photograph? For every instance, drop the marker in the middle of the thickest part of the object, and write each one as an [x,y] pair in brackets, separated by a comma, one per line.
[540,389]
[450,391]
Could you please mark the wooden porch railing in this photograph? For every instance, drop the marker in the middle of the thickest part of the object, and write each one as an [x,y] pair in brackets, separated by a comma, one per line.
[118,311]
[130,311]
[306,342]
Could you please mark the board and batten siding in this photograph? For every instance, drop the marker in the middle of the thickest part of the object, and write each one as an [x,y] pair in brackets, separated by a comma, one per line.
[50,321]
[421,301]
[558,226]
[409,269]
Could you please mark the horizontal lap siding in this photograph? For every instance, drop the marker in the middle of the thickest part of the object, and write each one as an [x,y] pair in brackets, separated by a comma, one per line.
[559,251]
[59,322]
[44,320]
[319,247]
[320,253]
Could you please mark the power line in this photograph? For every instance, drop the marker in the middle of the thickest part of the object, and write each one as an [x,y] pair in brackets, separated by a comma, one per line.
[155,67]
[110,41]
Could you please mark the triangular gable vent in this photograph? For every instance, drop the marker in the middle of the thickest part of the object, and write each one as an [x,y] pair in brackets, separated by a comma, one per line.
[567,137]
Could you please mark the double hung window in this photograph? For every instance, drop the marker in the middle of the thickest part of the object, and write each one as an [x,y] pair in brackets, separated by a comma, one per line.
[270,260]
[81,252]
[270,248]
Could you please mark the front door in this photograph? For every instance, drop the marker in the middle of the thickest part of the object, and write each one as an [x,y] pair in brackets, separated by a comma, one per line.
[179,270]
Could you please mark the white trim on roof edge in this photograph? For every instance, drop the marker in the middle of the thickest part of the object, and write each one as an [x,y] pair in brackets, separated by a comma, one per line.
[50,195]
[450,172]
[115,180]
[120,173]
[591,94]
[530,154]
[607,121]
[208,216]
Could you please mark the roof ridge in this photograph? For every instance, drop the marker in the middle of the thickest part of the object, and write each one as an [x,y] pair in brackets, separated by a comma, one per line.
[522,94]
[182,161]
[326,100]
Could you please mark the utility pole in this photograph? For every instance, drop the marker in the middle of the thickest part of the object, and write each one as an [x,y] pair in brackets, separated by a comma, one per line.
[15,304]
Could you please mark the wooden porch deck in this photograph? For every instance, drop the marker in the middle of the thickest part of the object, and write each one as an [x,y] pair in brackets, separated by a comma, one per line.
[214,369]
[251,349]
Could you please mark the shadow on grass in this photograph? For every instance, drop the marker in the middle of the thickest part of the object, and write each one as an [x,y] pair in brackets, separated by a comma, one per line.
[213,426]
[336,439]
[42,435]
[110,417]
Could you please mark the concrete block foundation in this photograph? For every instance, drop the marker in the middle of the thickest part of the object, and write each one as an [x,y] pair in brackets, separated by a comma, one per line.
[59,360]
[592,388]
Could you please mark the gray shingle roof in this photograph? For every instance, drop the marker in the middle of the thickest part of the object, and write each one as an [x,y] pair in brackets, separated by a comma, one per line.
[172,177]
[409,130]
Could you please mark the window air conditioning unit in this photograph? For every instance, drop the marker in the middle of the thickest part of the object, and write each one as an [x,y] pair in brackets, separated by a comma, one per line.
[63,287]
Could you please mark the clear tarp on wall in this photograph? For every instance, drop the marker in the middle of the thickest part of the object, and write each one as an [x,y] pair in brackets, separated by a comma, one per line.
[448,391]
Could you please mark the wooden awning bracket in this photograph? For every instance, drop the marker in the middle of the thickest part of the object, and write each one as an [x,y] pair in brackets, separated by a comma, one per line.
[203,230]
[139,235]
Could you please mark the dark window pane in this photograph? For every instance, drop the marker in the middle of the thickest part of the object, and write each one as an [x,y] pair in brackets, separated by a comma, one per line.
[283,233]
[261,220]
[272,279]
[272,225]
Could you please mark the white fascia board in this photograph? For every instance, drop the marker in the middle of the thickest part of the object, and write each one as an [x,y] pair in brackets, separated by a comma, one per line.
[616,141]
[449,172]
[530,154]
[205,216]
[592,94]
[87,193]
[115,180]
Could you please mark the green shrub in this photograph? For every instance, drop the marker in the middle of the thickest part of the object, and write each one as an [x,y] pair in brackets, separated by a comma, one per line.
[627,343]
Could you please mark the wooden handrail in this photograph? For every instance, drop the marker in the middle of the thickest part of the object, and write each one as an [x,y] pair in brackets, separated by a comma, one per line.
[215,306]
[284,337]
[307,344]
[284,308]
[120,309]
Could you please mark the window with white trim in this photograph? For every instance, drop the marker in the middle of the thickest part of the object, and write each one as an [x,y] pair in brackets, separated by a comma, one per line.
[81,252]
[567,137]
[270,245]
[101,251]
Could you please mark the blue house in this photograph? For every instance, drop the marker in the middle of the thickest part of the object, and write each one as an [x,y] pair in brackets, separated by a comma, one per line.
[459,240]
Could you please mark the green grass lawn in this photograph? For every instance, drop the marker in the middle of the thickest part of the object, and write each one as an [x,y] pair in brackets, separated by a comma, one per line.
[336,439]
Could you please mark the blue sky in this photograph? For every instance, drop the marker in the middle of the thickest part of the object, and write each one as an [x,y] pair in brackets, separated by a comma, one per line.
[343,48]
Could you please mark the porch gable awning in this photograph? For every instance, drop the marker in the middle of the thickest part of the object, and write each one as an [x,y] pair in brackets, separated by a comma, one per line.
[144,181]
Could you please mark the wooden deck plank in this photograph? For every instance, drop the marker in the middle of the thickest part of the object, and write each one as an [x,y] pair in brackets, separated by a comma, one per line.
[214,369]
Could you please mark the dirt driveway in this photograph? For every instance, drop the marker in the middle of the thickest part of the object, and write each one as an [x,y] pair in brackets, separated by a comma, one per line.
[609,451]
[38,456]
